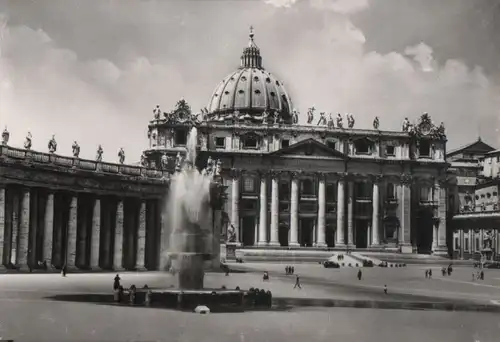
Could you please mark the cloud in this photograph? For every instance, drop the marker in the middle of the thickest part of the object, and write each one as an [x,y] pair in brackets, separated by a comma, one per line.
[98,88]
[341,6]
[280,3]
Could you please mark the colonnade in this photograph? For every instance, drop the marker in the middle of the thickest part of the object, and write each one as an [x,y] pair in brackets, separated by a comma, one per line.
[345,210]
[79,230]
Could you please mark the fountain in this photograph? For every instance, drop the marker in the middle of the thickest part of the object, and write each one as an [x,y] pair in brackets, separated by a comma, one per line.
[189,218]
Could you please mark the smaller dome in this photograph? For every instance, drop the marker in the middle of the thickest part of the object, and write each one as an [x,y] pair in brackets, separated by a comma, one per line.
[250,90]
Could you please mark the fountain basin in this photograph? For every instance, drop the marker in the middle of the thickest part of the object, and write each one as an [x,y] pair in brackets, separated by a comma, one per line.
[215,299]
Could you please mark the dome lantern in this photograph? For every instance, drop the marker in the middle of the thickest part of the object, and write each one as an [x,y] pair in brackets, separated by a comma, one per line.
[251,55]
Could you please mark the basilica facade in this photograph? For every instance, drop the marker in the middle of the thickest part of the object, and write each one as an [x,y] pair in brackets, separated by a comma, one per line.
[321,185]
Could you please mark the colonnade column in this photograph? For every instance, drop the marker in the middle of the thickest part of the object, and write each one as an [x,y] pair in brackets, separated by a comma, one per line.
[95,235]
[263,210]
[118,246]
[294,211]
[24,230]
[404,214]
[350,214]
[235,203]
[14,245]
[72,233]
[273,239]
[441,217]
[375,211]
[340,241]
[48,230]
[321,240]
[141,238]
[2,223]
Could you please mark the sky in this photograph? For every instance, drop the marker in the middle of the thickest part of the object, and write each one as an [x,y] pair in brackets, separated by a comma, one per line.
[92,71]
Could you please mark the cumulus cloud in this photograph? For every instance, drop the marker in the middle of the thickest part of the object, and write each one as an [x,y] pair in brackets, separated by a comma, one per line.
[103,92]
[280,3]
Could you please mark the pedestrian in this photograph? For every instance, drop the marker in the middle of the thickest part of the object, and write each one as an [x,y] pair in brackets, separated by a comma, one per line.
[63,270]
[287,270]
[116,283]
[360,274]
[293,270]
[132,292]
[265,277]
[147,299]
[430,273]
[385,289]
[482,275]
[297,282]
[426,274]
[473,276]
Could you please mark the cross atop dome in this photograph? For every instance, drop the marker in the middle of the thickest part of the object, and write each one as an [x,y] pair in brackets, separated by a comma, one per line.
[251,55]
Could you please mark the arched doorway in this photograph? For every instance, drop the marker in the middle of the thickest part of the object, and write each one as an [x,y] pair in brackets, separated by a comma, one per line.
[424,234]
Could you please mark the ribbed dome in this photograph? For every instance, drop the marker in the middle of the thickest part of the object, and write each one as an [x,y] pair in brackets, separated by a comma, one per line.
[250,90]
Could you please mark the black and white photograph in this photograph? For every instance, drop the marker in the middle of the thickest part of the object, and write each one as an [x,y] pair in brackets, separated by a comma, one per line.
[250,170]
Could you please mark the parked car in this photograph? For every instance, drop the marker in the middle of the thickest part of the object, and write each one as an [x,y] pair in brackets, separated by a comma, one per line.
[330,264]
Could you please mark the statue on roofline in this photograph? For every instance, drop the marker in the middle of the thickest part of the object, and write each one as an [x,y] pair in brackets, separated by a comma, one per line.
[52,144]
[340,124]
[164,161]
[406,125]
[157,112]
[5,136]
[28,142]
[76,149]
[322,119]
[376,122]
[331,123]
[310,115]
[295,117]
[350,120]
[121,155]
[99,153]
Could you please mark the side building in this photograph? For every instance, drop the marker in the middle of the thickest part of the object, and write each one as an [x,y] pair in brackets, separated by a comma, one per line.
[321,185]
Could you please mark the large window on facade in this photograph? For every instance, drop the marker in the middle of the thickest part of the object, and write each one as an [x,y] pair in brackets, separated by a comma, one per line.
[284,191]
[363,190]
[331,192]
[457,243]
[250,141]
[424,148]
[180,137]
[391,191]
[307,187]
[390,150]
[285,143]
[466,244]
[363,146]
[249,184]
[425,193]
[220,142]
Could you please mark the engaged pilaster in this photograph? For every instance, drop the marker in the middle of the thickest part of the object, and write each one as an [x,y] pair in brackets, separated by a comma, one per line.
[24,230]
[263,210]
[274,241]
[48,231]
[340,238]
[375,211]
[118,247]
[141,238]
[235,202]
[350,214]
[72,233]
[321,237]
[294,211]
[95,235]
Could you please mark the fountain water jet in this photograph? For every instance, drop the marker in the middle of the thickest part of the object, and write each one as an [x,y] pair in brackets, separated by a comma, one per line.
[189,219]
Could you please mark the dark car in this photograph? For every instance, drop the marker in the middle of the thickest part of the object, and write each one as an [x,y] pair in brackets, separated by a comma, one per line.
[331,264]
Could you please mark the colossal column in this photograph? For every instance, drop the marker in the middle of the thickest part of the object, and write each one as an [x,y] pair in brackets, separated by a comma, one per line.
[321,240]
[235,203]
[375,211]
[72,232]
[15,229]
[24,230]
[294,211]
[2,222]
[141,238]
[442,207]
[118,248]
[404,213]
[48,229]
[263,210]
[274,236]
[95,235]
[350,212]
[340,242]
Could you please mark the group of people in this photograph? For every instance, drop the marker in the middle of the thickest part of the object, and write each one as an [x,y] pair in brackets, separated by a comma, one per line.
[119,292]
[289,270]
[479,275]
[447,270]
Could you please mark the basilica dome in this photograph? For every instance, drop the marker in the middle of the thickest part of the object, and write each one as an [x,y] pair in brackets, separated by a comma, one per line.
[250,91]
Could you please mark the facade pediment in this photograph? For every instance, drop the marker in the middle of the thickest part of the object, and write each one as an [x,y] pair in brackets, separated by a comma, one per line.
[310,147]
